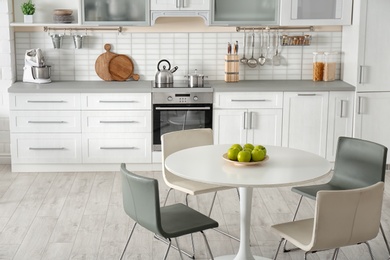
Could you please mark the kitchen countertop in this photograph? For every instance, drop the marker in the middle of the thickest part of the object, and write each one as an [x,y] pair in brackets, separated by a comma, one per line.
[147,86]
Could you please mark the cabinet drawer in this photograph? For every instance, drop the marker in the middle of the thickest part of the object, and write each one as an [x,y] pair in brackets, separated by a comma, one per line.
[117,121]
[117,148]
[44,101]
[44,148]
[123,101]
[45,121]
[248,100]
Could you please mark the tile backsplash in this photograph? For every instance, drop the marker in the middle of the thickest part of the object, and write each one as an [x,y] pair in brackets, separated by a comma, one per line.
[189,51]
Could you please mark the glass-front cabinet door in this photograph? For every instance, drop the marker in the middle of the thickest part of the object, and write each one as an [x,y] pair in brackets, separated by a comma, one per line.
[316,12]
[116,12]
[244,12]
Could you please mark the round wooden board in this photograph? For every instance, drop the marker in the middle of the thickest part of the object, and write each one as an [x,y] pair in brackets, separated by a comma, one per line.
[121,67]
[102,63]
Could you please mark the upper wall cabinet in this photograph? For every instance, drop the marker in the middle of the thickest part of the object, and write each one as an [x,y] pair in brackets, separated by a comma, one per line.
[115,12]
[180,8]
[244,12]
[315,12]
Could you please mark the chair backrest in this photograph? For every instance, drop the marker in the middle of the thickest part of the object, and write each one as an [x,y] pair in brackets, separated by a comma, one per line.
[347,217]
[141,200]
[359,163]
[175,141]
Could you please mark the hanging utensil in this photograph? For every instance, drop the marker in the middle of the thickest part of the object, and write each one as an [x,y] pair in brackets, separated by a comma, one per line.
[252,62]
[276,57]
[262,57]
[268,59]
[244,60]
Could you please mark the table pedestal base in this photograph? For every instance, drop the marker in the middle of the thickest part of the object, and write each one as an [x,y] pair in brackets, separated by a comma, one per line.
[232,257]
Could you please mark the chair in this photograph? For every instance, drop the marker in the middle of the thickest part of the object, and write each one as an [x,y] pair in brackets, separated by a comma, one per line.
[341,218]
[179,140]
[359,163]
[141,202]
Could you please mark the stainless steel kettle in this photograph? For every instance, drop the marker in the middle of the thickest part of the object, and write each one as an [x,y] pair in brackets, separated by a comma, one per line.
[164,77]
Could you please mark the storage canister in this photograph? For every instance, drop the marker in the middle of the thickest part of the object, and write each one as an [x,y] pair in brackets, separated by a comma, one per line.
[318,66]
[330,66]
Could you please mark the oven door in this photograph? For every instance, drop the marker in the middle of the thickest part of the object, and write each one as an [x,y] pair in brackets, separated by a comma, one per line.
[174,117]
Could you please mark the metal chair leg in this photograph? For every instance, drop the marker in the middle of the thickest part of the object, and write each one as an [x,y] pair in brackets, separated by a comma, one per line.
[192,237]
[177,244]
[385,239]
[169,246]
[335,254]
[277,250]
[166,198]
[128,240]
[173,246]
[207,245]
[369,250]
[295,215]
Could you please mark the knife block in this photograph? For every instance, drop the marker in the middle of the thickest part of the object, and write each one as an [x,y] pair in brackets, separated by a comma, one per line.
[232,68]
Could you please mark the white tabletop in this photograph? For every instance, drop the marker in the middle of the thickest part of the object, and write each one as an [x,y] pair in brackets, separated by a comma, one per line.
[285,166]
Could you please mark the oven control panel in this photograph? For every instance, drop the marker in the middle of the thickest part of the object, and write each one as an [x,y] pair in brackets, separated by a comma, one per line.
[182,98]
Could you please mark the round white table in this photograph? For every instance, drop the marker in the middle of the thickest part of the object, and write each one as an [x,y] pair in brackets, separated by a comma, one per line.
[284,167]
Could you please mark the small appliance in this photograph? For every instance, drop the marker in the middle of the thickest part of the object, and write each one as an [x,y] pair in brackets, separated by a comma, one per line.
[35,70]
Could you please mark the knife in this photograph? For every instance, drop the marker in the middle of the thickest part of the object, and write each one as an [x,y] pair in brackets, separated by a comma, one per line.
[229,50]
[236,47]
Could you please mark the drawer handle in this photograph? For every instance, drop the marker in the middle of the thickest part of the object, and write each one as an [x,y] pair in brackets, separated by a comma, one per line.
[249,100]
[118,148]
[46,148]
[306,95]
[46,101]
[46,122]
[117,101]
[118,122]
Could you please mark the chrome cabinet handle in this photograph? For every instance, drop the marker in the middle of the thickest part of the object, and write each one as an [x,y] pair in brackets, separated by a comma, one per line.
[46,148]
[117,101]
[245,119]
[361,74]
[46,101]
[342,109]
[183,108]
[117,122]
[178,3]
[183,3]
[306,95]
[250,120]
[118,148]
[46,122]
[360,107]
[249,100]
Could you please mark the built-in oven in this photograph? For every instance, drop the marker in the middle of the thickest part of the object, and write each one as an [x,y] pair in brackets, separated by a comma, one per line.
[180,110]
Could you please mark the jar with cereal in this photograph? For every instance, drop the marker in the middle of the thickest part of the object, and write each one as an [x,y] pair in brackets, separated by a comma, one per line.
[318,66]
[330,66]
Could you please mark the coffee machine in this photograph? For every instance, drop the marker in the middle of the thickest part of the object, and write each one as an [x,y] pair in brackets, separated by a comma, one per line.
[35,70]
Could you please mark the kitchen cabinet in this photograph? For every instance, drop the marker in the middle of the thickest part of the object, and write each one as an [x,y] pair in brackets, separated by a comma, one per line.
[372,117]
[248,118]
[305,117]
[315,12]
[340,119]
[245,12]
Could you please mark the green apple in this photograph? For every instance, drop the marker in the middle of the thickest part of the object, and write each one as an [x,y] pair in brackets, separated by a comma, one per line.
[257,155]
[261,147]
[232,153]
[248,145]
[244,156]
[238,146]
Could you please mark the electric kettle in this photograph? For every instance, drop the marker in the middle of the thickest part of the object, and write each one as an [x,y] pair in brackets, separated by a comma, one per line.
[164,76]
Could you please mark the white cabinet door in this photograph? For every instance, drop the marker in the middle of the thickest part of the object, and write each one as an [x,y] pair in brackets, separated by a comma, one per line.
[265,127]
[340,119]
[372,118]
[180,4]
[305,121]
[229,126]
[374,53]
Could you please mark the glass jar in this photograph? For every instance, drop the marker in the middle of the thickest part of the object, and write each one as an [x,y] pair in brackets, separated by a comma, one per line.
[318,66]
[330,66]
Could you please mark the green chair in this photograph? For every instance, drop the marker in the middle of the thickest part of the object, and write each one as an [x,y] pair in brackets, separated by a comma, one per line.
[359,163]
[341,218]
[141,203]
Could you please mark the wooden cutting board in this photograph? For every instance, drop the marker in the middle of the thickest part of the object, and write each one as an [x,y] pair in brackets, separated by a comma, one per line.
[102,62]
[121,68]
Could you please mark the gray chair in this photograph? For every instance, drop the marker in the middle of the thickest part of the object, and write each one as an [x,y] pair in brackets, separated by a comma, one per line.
[359,163]
[341,218]
[141,203]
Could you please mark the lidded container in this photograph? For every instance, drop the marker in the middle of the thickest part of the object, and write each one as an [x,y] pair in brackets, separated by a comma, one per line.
[318,66]
[330,66]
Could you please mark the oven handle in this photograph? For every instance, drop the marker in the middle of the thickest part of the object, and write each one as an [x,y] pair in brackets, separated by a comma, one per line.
[183,108]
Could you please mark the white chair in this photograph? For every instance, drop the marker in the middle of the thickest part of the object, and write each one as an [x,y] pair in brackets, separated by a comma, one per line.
[179,140]
[341,218]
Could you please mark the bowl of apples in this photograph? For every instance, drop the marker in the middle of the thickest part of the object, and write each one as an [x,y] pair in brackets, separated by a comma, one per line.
[246,155]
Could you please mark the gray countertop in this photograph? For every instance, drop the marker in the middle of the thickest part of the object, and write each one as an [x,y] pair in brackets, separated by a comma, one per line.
[147,86]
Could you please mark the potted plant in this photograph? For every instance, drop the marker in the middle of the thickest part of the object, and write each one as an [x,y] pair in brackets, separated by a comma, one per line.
[28,9]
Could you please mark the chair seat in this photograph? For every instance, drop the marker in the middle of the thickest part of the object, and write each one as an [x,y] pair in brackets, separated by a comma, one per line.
[298,232]
[178,220]
[193,187]
[311,190]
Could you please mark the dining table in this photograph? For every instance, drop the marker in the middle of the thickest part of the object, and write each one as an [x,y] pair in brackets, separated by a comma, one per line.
[283,166]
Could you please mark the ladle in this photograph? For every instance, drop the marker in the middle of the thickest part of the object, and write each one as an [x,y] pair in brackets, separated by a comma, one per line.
[262,57]
[244,60]
[276,57]
[252,62]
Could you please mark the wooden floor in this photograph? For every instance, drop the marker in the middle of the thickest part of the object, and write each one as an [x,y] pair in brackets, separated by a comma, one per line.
[80,216]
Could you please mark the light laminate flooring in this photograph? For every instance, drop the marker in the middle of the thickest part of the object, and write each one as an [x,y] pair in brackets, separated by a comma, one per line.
[79,215]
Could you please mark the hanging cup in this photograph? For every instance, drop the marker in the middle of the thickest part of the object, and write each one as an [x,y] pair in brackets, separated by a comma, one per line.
[57,40]
[78,41]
